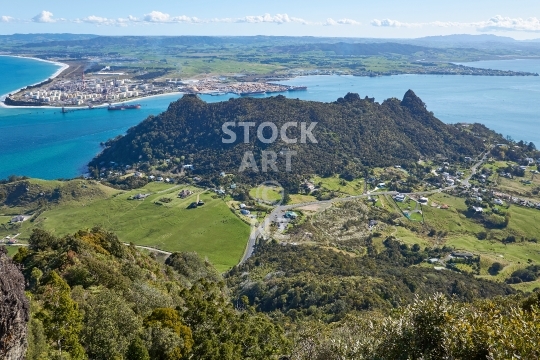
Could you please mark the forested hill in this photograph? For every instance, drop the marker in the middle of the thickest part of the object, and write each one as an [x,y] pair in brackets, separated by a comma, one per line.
[352,134]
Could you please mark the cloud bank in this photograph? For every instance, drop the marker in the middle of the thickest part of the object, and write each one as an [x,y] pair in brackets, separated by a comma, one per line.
[158,17]
[496,23]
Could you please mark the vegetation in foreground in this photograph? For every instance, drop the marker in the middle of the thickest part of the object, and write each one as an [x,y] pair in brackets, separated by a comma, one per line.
[93,297]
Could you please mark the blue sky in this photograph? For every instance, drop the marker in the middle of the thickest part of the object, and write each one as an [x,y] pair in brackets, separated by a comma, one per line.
[383,18]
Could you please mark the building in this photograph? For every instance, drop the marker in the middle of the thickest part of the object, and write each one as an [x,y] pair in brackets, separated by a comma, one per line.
[140,196]
[17,219]
[245,212]
[185,193]
[291,215]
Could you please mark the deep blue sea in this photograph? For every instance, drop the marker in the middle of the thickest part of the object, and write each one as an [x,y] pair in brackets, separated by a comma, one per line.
[47,144]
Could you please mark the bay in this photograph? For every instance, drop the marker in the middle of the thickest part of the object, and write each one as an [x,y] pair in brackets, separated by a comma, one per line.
[47,144]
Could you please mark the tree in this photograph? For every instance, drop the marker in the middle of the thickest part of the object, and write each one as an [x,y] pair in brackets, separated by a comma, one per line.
[495,268]
[110,325]
[169,337]
[61,317]
[137,350]
[37,342]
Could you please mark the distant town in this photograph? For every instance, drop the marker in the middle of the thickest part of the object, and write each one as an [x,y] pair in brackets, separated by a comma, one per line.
[105,87]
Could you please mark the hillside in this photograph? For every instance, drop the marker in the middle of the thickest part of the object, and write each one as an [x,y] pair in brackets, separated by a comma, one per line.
[352,134]
[162,220]
[94,298]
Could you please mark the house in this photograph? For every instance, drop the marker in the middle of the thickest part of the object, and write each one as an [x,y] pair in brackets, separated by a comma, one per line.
[291,215]
[187,167]
[222,174]
[197,179]
[140,196]
[245,212]
[309,186]
[17,219]
[498,202]
[423,200]
[185,193]
[478,209]
[242,206]
[462,254]
[160,178]
[233,186]
[373,223]
[399,198]
[138,174]
[433,260]
[167,180]
[151,177]
[381,185]
[468,159]
[529,161]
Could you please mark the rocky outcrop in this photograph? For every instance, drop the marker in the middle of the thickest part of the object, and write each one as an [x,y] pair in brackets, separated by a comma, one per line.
[14,310]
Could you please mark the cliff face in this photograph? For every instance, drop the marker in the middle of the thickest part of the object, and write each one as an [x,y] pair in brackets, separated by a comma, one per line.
[14,310]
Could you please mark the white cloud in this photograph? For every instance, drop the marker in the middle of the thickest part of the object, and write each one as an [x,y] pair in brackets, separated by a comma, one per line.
[496,23]
[6,19]
[99,20]
[332,22]
[267,18]
[159,17]
[500,23]
[393,23]
[44,17]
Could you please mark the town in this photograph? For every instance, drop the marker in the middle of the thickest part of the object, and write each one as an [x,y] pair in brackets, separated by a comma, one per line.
[103,87]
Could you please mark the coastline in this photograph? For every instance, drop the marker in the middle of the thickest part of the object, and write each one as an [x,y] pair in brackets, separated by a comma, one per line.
[62,68]
[101,106]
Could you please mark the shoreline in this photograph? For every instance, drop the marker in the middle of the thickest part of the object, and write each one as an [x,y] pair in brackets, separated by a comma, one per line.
[62,68]
[101,106]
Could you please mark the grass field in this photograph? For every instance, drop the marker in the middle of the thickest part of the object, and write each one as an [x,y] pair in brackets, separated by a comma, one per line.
[299,199]
[267,193]
[212,230]
[334,183]
[12,250]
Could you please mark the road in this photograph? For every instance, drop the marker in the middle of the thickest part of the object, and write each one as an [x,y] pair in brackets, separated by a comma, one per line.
[260,230]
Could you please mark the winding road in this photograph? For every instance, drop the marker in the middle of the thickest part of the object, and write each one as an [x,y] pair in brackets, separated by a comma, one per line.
[260,230]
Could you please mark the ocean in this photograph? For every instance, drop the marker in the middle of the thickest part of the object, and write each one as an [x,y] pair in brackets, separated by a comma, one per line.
[47,144]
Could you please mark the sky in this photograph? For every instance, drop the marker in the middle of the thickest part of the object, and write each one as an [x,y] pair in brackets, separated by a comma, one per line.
[339,18]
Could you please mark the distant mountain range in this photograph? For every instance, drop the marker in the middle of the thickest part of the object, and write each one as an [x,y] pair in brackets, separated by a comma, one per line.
[96,41]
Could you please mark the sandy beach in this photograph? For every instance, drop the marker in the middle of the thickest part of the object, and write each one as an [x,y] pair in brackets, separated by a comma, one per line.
[58,72]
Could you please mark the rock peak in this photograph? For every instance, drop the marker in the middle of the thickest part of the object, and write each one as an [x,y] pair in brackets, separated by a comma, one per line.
[14,310]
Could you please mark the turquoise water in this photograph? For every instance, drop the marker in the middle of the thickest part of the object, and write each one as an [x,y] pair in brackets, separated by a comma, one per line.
[48,144]
[16,73]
